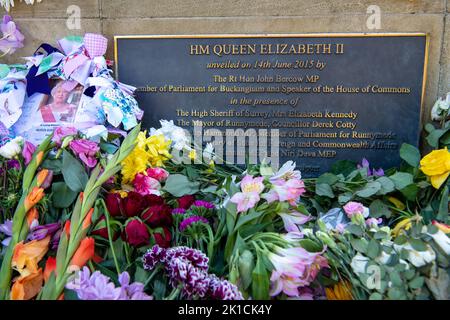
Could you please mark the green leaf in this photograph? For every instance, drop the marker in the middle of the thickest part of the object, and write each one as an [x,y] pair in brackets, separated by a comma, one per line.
[434,136]
[396,278]
[62,195]
[443,206]
[73,172]
[410,192]
[401,180]
[245,218]
[260,283]
[344,198]
[179,185]
[373,249]
[360,245]
[70,294]
[410,154]
[417,283]
[379,209]
[327,178]
[387,185]
[354,229]
[325,190]
[375,296]
[369,189]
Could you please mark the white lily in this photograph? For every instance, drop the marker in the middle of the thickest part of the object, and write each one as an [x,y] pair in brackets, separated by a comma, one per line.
[286,172]
[417,258]
[442,240]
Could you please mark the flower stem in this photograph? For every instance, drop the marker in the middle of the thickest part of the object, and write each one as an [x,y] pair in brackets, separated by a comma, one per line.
[110,240]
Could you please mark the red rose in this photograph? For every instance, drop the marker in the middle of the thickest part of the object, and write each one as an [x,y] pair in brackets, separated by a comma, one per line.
[113,203]
[101,230]
[185,201]
[163,237]
[152,200]
[136,233]
[133,204]
[158,216]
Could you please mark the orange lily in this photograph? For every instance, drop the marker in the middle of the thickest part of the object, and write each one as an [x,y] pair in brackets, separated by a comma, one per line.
[50,266]
[32,214]
[26,287]
[88,219]
[41,176]
[84,253]
[26,256]
[33,197]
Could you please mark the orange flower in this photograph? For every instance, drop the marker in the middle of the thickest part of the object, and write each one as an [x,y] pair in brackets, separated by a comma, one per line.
[39,157]
[33,197]
[84,252]
[67,228]
[50,266]
[32,214]
[26,256]
[26,287]
[41,176]
[88,219]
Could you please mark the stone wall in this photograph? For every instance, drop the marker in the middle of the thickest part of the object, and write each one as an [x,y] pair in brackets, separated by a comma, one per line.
[46,22]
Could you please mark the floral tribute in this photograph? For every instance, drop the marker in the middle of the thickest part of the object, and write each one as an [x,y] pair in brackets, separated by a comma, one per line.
[118,216]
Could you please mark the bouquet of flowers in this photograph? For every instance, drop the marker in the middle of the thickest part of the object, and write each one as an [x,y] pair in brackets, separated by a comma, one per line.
[119,213]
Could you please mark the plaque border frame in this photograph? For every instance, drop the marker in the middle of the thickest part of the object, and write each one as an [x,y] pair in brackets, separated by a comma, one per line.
[293,35]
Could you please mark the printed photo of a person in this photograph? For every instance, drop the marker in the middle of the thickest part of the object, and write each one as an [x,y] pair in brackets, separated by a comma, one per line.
[60,107]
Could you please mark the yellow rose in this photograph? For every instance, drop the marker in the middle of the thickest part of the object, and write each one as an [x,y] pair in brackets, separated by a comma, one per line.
[436,165]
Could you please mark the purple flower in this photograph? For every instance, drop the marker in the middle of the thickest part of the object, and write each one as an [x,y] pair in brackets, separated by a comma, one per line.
[133,291]
[188,268]
[85,150]
[99,287]
[365,164]
[153,256]
[27,151]
[6,229]
[13,164]
[178,211]
[373,222]
[61,132]
[12,38]
[223,289]
[204,204]
[191,220]
[40,232]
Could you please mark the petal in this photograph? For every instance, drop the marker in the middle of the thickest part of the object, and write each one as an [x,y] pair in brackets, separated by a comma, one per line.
[438,180]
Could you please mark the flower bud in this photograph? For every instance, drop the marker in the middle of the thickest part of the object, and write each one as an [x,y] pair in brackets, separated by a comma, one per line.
[325,238]
[246,266]
[136,234]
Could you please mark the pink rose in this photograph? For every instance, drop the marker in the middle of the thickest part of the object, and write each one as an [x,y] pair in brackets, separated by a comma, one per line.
[86,151]
[146,185]
[158,173]
[352,208]
[61,132]
[27,151]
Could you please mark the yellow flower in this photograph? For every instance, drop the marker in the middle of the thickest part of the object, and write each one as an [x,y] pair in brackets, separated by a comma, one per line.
[135,163]
[340,291]
[192,154]
[403,225]
[158,150]
[436,165]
